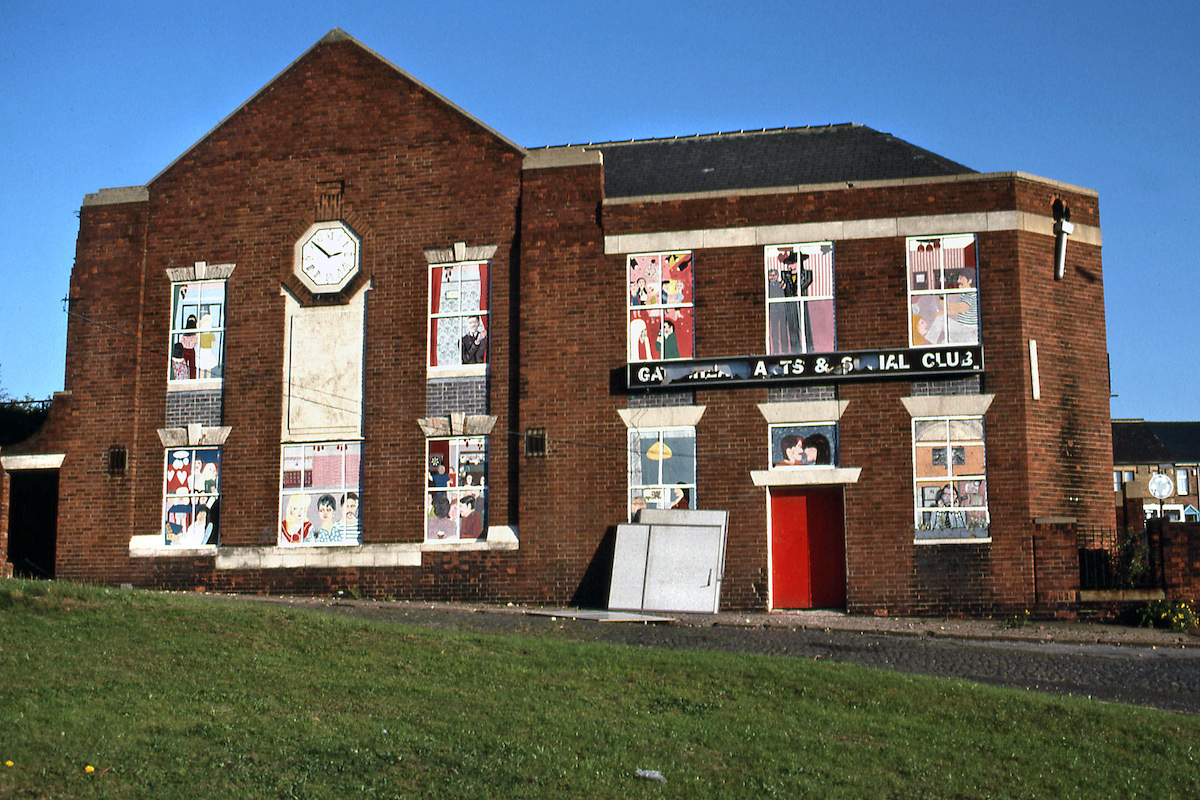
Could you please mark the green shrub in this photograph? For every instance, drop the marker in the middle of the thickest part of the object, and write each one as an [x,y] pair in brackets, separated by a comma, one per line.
[1178,615]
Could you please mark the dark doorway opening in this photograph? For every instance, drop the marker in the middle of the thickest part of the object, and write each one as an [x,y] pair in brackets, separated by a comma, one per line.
[32,522]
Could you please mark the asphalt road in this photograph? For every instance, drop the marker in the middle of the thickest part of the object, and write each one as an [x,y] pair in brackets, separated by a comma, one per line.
[1162,677]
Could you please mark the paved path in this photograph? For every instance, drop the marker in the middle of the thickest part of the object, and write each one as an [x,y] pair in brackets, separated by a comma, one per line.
[1158,669]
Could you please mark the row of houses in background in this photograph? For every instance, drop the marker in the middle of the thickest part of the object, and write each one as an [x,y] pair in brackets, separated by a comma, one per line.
[356,339]
[1142,449]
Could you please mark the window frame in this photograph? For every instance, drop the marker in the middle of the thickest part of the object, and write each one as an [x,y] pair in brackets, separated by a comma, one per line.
[659,487]
[778,457]
[433,317]
[779,323]
[923,303]
[473,451]
[178,332]
[315,497]
[642,316]
[179,486]
[927,529]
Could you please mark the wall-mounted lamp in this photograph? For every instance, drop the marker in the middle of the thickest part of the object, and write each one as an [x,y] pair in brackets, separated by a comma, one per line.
[1062,229]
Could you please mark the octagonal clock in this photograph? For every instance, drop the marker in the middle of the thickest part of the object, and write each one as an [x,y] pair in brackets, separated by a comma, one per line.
[327,256]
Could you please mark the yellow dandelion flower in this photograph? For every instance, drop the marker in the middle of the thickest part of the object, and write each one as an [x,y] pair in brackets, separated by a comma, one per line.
[89,768]
[8,763]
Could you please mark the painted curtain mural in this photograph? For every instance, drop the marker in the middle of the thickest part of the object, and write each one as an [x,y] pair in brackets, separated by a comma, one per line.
[320,494]
[800,309]
[660,306]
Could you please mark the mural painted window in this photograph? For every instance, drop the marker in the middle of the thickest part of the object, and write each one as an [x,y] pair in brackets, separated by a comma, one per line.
[943,291]
[319,494]
[660,319]
[197,331]
[458,314]
[456,489]
[191,497]
[800,314]
[950,478]
[662,468]
[813,444]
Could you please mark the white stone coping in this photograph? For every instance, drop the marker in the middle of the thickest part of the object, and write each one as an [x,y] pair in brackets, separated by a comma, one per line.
[33,461]
[393,554]
[124,194]
[193,435]
[662,416]
[803,411]
[463,371]
[806,476]
[197,385]
[843,230]
[562,157]
[948,405]
[956,540]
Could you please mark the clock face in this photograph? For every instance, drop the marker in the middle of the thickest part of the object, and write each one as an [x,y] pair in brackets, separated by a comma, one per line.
[327,256]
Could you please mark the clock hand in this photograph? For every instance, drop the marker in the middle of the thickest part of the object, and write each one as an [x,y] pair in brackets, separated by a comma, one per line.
[322,249]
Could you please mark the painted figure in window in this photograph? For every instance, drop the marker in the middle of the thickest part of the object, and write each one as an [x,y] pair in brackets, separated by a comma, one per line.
[669,347]
[205,479]
[189,341]
[817,450]
[637,292]
[206,354]
[793,451]
[179,365]
[469,520]
[474,342]
[326,511]
[957,319]
[789,278]
[295,529]
[347,529]
[639,341]
[948,498]
[439,525]
[197,533]
[680,498]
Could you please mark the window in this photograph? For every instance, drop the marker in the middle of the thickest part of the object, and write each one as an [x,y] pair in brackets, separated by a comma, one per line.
[812,444]
[800,313]
[662,468]
[319,494]
[1181,482]
[943,291]
[458,314]
[197,331]
[191,496]
[456,489]
[660,320]
[949,468]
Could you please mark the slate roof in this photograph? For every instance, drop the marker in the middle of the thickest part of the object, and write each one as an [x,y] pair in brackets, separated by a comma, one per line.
[1141,442]
[762,159]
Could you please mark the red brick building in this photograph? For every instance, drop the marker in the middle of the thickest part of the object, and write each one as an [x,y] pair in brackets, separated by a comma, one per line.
[354,339]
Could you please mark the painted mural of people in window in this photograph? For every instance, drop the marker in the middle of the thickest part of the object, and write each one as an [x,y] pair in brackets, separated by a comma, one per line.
[474,342]
[314,477]
[197,331]
[943,291]
[660,321]
[191,497]
[807,445]
[800,308]
[458,314]
[662,468]
[456,491]
[951,483]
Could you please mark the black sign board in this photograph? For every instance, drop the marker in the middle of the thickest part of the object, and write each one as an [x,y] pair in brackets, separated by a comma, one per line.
[901,365]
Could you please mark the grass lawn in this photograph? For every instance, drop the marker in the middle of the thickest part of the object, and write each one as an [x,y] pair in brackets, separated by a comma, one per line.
[166,696]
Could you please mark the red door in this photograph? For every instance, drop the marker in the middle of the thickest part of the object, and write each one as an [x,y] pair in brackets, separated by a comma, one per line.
[808,548]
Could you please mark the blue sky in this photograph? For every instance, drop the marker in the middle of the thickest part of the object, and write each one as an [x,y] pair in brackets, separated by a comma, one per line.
[1106,96]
